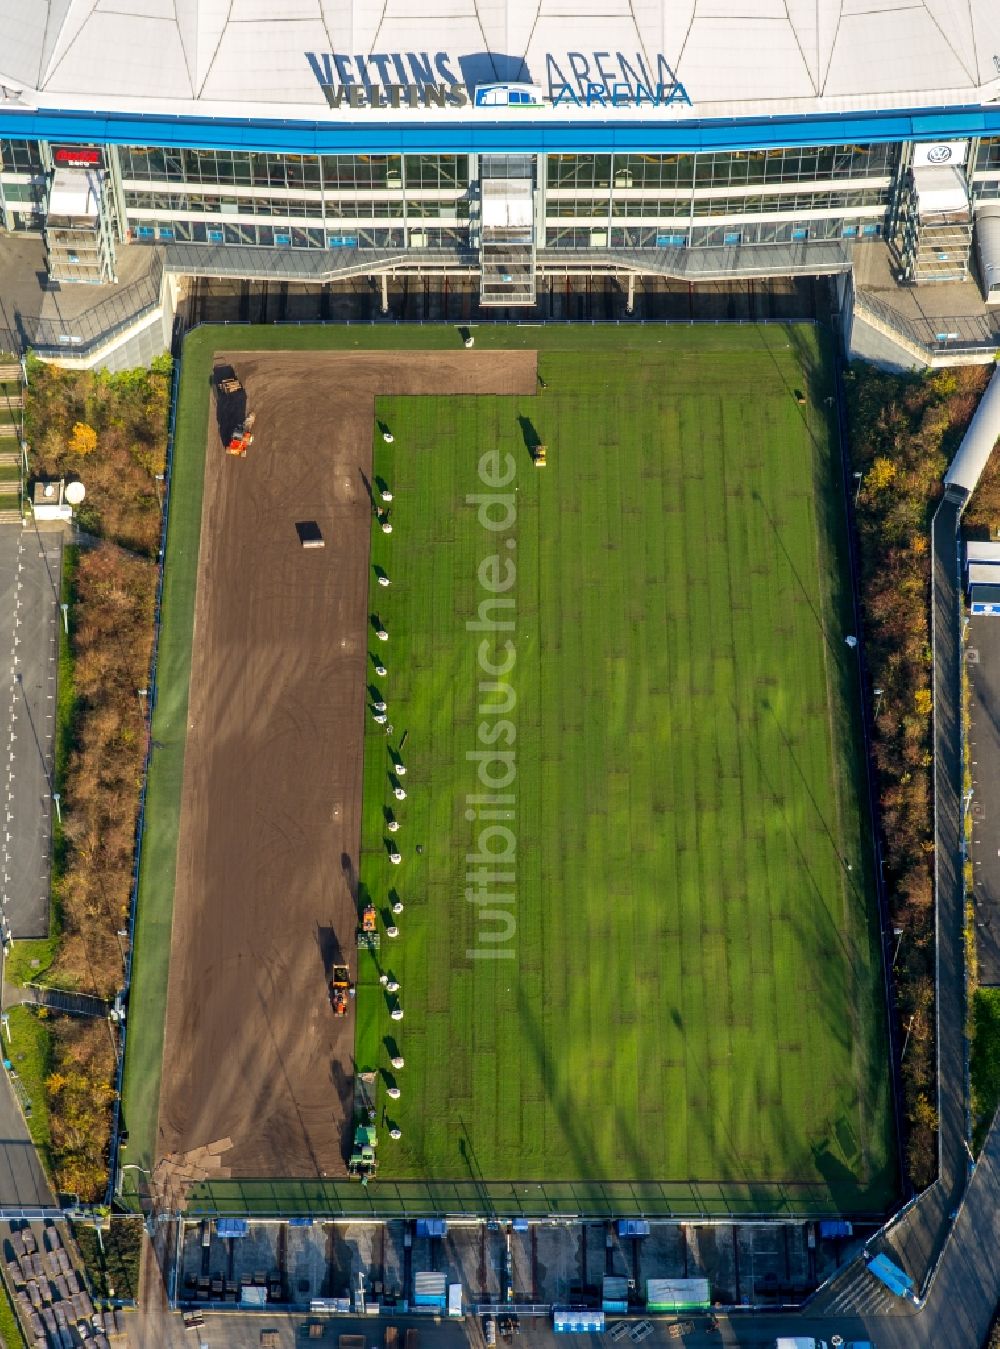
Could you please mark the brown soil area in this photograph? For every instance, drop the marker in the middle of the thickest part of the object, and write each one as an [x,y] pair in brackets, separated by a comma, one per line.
[270,828]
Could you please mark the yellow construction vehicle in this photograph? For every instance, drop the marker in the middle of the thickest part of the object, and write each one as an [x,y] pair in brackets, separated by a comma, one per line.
[368,933]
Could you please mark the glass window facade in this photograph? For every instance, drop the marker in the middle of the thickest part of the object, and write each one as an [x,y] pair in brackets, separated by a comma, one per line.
[252,169]
[359,173]
[590,200]
[672,235]
[988,155]
[818,163]
[20,157]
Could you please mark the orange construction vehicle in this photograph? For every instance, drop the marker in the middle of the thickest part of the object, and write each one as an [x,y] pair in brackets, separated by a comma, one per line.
[340,989]
[242,437]
[368,936]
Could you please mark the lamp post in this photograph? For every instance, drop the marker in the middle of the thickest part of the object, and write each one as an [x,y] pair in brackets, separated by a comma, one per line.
[56,798]
[158,478]
[898,933]
[859,478]
[878,701]
[65,614]
[906,1041]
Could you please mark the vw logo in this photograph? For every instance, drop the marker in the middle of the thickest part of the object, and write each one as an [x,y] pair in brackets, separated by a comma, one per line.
[939,154]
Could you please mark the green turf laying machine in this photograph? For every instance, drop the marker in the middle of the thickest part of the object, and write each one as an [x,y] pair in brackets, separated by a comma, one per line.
[363,1163]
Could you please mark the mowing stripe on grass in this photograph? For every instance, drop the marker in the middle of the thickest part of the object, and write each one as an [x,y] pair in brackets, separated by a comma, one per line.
[686,778]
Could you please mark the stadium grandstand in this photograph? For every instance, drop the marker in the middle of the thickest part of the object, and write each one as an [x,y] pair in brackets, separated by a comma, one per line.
[504,140]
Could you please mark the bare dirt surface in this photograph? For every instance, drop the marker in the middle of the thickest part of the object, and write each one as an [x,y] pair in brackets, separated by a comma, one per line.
[267,861]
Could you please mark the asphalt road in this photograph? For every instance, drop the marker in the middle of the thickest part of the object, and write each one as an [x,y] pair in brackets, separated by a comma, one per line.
[951,1044]
[22,1181]
[983,664]
[30,565]
[26,633]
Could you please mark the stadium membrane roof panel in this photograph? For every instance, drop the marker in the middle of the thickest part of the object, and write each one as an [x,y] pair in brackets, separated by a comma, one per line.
[272,58]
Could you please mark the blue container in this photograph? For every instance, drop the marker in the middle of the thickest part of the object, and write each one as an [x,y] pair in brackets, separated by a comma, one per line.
[568,1321]
[432,1227]
[894,1278]
[633,1227]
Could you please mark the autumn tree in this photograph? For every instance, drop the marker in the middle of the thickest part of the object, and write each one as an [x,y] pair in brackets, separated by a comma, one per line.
[904,429]
[83,439]
[81,1091]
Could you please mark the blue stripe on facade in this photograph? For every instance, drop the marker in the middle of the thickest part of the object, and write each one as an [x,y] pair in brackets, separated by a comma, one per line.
[548,136]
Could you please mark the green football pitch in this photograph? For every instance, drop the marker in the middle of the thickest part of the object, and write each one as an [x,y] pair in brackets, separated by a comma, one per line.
[655,956]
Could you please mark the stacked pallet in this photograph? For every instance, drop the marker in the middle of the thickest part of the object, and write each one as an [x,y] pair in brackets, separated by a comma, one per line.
[55,1307]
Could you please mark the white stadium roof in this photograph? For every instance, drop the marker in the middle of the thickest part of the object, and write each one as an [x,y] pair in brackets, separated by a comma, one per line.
[734,57]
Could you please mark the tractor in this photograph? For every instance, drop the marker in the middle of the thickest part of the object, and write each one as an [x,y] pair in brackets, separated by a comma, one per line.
[363,1164]
[242,437]
[341,989]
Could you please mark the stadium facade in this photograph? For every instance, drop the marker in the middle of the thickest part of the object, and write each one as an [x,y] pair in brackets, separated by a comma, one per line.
[698,138]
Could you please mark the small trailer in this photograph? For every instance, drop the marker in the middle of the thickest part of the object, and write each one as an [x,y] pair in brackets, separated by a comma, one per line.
[895,1279]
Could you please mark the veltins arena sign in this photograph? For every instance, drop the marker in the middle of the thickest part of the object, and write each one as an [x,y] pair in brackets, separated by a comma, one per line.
[424,80]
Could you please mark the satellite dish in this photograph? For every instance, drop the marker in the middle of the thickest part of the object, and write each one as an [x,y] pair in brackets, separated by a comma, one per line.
[75,492]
